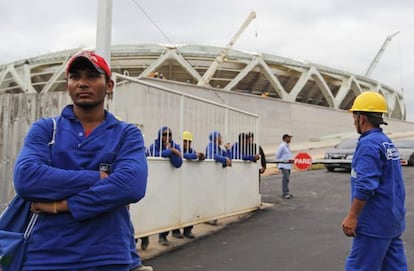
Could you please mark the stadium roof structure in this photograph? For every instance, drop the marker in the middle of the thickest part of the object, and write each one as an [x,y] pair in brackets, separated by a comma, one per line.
[260,74]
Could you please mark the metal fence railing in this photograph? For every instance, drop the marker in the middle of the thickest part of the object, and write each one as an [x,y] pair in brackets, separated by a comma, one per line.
[151,107]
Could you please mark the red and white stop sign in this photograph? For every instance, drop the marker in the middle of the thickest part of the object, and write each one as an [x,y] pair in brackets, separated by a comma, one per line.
[302,161]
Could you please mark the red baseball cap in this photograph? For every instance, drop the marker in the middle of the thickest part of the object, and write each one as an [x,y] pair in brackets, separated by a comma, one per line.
[96,60]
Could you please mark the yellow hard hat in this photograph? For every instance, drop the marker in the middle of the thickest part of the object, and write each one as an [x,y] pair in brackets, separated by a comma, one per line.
[187,136]
[369,101]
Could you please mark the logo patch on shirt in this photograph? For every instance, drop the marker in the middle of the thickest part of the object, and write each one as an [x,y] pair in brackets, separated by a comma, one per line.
[391,151]
[105,167]
[353,173]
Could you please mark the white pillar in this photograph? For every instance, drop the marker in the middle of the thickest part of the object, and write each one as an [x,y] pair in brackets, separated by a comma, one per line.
[104,29]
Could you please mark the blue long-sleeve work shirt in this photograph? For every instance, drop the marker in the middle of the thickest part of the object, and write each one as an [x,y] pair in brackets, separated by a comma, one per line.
[190,154]
[243,152]
[213,151]
[159,149]
[97,229]
[376,178]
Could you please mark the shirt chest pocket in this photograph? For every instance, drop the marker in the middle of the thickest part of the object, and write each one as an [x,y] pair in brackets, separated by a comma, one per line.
[106,161]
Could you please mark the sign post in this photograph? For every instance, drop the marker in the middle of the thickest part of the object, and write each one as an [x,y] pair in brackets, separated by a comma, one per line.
[302,161]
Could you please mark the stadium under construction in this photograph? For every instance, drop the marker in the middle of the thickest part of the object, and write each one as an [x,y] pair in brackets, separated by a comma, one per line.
[266,75]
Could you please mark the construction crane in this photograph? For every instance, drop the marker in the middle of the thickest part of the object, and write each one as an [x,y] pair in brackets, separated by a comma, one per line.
[204,81]
[379,54]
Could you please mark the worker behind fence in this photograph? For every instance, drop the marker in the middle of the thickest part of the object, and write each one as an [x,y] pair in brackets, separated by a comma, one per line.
[164,146]
[190,154]
[257,149]
[214,150]
[242,149]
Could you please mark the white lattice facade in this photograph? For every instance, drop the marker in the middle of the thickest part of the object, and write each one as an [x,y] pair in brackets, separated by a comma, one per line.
[260,74]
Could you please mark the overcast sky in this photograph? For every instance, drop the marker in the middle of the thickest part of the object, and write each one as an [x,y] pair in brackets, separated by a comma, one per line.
[336,33]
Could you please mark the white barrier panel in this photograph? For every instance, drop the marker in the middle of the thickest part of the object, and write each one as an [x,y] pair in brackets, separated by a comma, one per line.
[242,186]
[203,191]
[195,193]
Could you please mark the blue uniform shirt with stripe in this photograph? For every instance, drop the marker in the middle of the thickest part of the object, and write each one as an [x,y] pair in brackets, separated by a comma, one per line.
[376,178]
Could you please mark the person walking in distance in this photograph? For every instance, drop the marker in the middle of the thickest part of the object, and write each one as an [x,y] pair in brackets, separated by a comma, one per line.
[82,185]
[376,218]
[283,153]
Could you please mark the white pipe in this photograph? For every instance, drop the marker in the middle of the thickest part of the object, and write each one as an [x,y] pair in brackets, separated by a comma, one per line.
[104,29]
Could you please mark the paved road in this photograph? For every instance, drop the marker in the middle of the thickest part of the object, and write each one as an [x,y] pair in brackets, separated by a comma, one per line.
[299,234]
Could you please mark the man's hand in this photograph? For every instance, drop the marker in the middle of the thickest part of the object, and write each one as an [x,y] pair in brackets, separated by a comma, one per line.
[201,156]
[103,174]
[349,226]
[228,162]
[54,207]
[43,207]
[176,151]
[351,220]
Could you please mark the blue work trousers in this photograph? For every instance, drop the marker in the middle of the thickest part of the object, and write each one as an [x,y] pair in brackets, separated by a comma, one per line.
[117,267]
[376,254]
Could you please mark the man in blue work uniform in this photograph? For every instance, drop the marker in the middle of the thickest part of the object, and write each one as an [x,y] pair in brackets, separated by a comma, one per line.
[214,150]
[243,149]
[82,184]
[189,154]
[376,218]
[222,156]
[164,146]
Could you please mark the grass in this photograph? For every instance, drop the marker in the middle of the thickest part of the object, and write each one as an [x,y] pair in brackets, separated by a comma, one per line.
[317,167]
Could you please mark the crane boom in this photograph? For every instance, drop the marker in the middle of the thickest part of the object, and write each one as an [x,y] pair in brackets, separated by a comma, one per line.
[204,81]
[379,54]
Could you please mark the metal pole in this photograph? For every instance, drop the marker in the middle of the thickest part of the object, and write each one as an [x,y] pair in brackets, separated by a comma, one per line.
[104,29]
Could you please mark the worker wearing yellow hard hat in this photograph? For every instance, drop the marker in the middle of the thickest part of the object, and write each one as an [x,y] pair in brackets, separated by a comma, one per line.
[187,136]
[370,102]
[372,105]
[189,154]
[376,217]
